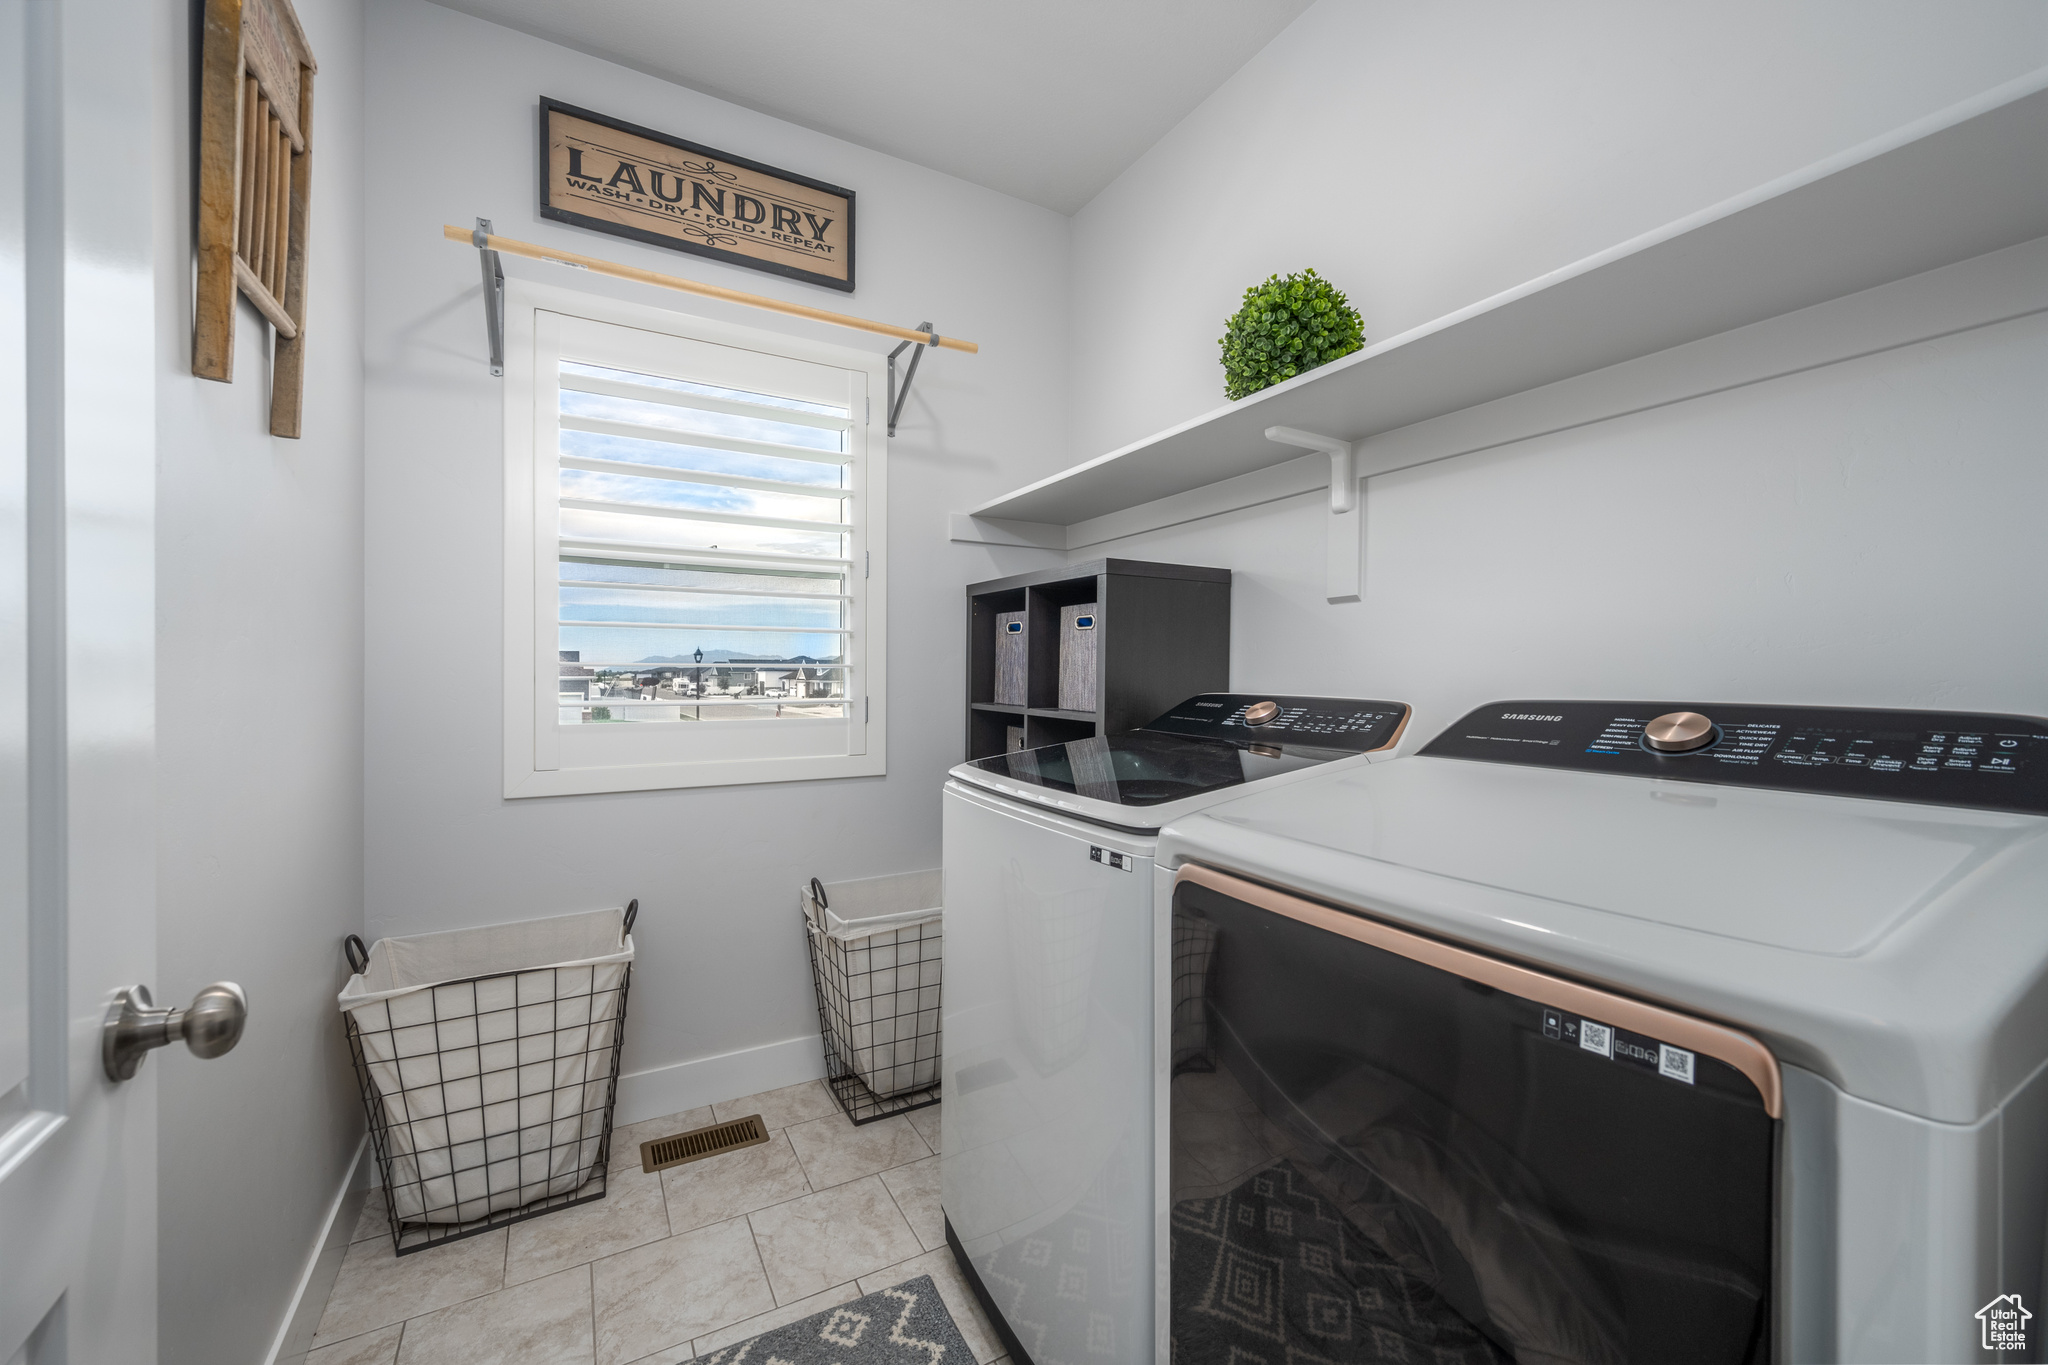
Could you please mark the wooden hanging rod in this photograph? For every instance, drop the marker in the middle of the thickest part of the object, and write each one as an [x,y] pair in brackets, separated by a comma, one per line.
[710,291]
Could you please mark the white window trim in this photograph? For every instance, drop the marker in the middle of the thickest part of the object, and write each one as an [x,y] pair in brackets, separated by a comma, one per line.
[530,564]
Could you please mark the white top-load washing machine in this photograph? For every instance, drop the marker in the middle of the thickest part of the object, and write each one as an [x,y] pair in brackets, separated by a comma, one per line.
[1046,1164]
[1620,1031]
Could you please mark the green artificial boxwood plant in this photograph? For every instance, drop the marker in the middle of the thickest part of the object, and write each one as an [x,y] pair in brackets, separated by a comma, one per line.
[1286,327]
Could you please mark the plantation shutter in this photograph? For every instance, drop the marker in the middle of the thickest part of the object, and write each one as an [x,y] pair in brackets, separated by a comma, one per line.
[703,504]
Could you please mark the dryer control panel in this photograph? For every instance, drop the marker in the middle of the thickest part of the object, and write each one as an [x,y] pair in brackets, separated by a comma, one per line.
[1345,723]
[1942,758]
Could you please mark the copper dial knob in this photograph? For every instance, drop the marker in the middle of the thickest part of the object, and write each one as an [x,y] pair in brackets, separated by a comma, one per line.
[1679,732]
[1259,712]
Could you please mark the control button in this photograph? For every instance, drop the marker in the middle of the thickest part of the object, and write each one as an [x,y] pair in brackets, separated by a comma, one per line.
[1259,712]
[1679,732]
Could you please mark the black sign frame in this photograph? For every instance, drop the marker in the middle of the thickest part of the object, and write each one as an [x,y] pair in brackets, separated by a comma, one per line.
[554,213]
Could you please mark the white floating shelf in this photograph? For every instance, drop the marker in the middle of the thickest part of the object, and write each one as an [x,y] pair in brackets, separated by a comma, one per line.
[1969,180]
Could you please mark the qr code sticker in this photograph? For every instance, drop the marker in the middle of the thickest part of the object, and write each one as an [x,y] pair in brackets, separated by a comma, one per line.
[1596,1038]
[1674,1062]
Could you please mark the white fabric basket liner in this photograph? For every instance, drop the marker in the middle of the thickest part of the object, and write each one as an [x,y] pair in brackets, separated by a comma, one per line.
[885,965]
[494,1090]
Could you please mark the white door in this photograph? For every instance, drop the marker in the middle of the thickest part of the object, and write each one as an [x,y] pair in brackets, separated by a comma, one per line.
[77,453]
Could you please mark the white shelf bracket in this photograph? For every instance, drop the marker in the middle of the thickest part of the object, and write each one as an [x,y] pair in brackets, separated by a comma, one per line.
[1345,564]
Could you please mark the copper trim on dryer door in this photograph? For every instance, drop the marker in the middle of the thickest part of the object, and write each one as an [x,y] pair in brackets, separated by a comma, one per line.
[1738,1050]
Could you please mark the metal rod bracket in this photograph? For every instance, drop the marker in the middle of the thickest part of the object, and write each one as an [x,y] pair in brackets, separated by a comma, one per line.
[897,397]
[494,295]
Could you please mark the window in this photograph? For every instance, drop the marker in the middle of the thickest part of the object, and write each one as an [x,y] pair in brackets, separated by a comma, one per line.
[694,552]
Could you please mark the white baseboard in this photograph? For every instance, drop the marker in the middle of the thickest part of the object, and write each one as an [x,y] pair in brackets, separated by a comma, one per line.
[707,1080]
[285,1348]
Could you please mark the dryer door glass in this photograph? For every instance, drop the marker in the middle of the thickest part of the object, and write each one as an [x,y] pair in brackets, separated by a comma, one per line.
[1373,1158]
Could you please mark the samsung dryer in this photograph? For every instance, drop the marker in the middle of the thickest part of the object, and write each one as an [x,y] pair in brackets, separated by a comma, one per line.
[1046,1158]
[1617,1031]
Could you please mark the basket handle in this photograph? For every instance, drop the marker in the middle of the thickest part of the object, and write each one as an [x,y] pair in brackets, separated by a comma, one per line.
[818,894]
[358,956]
[632,913]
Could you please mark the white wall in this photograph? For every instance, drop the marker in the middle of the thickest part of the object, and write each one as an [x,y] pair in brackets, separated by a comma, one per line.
[1862,535]
[1854,535]
[259,715]
[1423,155]
[722,964]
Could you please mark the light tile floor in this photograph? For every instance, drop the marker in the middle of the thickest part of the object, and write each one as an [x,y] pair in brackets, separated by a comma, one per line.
[672,1265]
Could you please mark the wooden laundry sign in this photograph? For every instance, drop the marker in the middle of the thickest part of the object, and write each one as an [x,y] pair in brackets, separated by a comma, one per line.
[617,177]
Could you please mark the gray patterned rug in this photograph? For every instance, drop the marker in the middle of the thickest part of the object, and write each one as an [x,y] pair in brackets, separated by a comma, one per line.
[1272,1272]
[905,1324]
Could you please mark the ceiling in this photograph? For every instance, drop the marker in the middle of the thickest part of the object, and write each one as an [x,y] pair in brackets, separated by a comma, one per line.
[1047,100]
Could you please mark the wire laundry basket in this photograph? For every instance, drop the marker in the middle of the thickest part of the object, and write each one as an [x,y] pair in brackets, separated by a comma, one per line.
[875,964]
[488,1062]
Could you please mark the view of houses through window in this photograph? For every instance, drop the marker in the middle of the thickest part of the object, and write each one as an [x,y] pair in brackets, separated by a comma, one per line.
[772,688]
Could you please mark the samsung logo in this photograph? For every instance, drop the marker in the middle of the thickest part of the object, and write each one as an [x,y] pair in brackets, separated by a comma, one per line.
[1516,715]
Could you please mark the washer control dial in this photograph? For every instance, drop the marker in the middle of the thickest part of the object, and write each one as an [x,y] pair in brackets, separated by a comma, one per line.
[1679,732]
[1259,712]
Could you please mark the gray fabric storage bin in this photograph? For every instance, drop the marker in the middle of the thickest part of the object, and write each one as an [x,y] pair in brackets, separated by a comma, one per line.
[1011,683]
[1077,657]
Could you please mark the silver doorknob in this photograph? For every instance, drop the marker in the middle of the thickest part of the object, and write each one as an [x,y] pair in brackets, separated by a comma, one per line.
[210,1026]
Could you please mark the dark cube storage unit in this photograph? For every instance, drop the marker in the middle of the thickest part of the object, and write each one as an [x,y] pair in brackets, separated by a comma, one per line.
[1160,634]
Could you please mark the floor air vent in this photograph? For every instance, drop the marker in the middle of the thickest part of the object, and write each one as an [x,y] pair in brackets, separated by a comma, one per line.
[699,1143]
